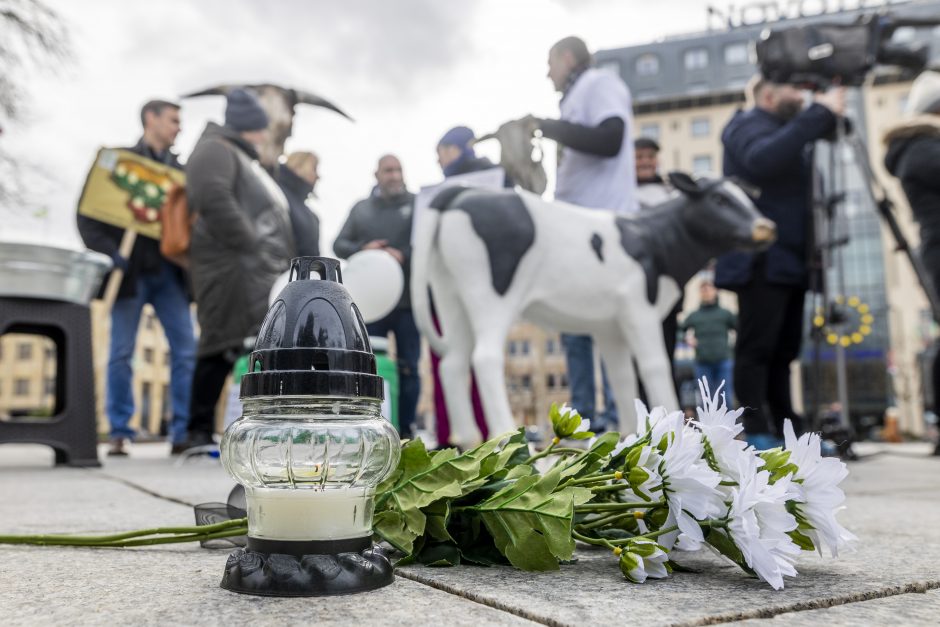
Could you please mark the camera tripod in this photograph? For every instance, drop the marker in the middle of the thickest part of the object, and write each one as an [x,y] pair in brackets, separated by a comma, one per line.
[830,240]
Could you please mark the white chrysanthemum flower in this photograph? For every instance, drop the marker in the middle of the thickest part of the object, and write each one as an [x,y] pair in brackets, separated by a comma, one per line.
[657,422]
[690,489]
[626,442]
[760,523]
[721,428]
[819,497]
[642,559]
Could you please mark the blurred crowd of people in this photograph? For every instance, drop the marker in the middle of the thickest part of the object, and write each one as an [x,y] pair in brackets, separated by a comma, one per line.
[251,220]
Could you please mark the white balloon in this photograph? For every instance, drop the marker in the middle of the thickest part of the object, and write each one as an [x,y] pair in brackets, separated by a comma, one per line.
[376,281]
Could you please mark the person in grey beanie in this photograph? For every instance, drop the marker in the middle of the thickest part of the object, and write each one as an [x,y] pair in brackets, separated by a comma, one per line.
[241,243]
[913,156]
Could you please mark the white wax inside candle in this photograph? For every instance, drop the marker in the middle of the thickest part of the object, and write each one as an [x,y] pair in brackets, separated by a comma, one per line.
[307,514]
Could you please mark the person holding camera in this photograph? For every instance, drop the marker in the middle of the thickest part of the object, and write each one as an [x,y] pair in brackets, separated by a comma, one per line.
[913,157]
[770,146]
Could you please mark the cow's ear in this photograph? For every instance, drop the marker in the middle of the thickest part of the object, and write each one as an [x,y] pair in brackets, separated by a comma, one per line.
[686,184]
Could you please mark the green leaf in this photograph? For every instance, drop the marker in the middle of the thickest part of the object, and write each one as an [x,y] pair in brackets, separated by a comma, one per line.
[802,541]
[531,523]
[440,554]
[777,463]
[592,459]
[726,546]
[581,435]
[438,515]
[390,526]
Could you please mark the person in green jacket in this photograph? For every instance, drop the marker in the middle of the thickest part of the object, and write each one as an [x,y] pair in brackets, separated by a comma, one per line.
[710,324]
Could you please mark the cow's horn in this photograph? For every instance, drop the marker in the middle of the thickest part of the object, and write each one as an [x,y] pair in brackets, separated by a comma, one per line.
[483,138]
[306,97]
[219,90]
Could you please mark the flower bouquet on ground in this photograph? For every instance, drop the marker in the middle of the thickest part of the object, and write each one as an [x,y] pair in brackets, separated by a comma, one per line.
[672,486]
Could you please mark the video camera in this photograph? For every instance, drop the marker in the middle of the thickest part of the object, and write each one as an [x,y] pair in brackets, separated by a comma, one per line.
[821,54]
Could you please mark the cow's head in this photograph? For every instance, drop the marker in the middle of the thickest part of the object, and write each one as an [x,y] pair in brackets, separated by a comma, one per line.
[278,102]
[722,214]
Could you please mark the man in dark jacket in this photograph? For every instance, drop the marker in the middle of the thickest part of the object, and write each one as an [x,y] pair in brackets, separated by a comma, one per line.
[148,278]
[770,147]
[383,221]
[241,243]
[914,158]
[298,177]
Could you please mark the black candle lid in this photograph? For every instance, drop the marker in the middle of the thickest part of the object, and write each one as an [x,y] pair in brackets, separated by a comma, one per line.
[313,341]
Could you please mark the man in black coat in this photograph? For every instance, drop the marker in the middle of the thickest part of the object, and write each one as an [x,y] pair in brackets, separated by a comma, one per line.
[383,221]
[241,244]
[148,278]
[770,147]
[914,158]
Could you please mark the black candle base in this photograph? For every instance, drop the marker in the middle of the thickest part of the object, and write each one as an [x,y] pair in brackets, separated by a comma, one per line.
[286,569]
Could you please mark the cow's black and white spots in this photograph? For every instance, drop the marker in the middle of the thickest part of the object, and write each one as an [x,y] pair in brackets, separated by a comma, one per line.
[501,221]
[597,244]
[491,258]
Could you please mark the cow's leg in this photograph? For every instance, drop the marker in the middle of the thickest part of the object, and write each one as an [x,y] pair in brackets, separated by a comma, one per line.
[644,333]
[489,366]
[622,377]
[455,368]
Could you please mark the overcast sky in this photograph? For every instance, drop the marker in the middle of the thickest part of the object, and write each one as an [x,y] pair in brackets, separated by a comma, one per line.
[406,70]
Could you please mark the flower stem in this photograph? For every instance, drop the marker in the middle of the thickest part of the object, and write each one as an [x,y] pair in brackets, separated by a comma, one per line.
[233,527]
[542,454]
[590,540]
[595,479]
[605,520]
[615,487]
[655,534]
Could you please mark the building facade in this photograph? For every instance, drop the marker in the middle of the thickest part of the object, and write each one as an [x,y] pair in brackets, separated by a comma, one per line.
[687,88]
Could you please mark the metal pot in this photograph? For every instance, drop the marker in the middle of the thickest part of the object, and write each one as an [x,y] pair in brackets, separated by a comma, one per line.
[51,273]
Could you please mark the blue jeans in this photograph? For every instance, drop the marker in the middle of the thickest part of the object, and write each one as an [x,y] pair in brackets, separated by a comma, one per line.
[401,323]
[715,373]
[167,294]
[579,354]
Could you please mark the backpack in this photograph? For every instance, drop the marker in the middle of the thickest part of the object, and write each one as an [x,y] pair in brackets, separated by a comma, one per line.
[177,224]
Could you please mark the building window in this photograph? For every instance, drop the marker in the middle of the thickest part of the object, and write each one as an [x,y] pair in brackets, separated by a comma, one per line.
[512,348]
[701,127]
[650,130]
[526,381]
[695,59]
[50,386]
[148,355]
[702,164]
[148,322]
[550,381]
[24,350]
[564,380]
[550,347]
[21,387]
[736,54]
[647,64]
[525,347]
[166,358]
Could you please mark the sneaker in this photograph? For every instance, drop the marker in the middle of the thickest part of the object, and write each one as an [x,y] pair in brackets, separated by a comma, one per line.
[179,447]
[117,448]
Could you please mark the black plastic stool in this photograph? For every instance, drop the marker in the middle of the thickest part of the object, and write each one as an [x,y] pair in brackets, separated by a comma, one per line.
[72,430]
